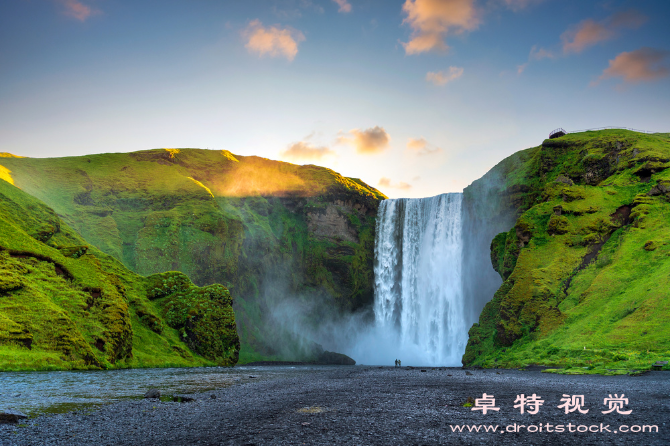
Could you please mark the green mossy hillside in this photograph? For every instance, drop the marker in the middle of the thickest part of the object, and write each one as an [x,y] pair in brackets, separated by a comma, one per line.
[585,266]
[66,305]
[203,316]
[269,231]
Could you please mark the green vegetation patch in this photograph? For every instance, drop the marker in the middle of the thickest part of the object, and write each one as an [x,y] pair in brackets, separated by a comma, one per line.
[66,305]
[585,277]
[251,224]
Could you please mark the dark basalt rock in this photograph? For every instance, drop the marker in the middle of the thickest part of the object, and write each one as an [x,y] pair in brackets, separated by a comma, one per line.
[152,393]
[565,180]
[10,416]
[332,358]
[663,187]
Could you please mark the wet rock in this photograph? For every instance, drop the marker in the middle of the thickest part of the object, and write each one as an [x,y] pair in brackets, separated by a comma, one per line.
[651,245]
[332,358]
[11,416]
[663,187]
[565,180]
[182,399]
[558,225]
[152,393]
[331,222]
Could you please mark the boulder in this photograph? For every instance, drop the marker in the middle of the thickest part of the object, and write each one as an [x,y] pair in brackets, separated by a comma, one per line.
[565,180]
[558,225]
[332,358]
[152,393]
[663,187]
[11,416]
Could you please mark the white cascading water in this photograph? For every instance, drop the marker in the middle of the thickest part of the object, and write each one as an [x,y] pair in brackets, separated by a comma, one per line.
[418,292]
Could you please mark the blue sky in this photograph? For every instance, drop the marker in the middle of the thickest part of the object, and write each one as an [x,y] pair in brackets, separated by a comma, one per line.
[346,84]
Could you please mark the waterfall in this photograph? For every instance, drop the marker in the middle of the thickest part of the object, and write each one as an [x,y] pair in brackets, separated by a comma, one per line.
[418,287]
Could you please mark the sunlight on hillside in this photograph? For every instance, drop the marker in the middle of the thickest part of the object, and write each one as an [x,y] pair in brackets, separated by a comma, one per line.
[201,185]
[5,175]
[260,177]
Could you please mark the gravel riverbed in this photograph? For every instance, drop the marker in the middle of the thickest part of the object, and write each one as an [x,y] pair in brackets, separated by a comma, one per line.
[371,406]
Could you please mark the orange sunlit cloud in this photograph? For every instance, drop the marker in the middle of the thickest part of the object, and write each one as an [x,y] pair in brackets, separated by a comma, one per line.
[386,182]
[369,141]
[77,10]
[586,34]
[589,32]
[421,147]
[305,151]
[432,20]
[442,77]
[272,41]
[645,64]
[345,6]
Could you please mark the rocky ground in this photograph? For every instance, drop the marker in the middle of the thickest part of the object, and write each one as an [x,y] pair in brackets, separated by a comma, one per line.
[369,405]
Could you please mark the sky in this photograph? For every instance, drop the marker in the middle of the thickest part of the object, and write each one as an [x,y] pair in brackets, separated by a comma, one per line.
[415,97]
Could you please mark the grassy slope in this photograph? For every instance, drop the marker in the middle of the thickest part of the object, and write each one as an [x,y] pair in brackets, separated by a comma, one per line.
[557,306]
[66,305]
[219,218]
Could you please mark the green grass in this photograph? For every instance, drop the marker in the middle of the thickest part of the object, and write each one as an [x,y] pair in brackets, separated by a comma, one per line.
[218,218]
[66,305]
[606,316]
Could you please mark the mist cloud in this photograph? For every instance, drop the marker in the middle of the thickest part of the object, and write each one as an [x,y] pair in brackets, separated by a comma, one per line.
[273,41]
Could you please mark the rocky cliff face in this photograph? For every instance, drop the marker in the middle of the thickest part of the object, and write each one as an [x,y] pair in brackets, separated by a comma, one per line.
[64,304]
[279,236]
[584,261]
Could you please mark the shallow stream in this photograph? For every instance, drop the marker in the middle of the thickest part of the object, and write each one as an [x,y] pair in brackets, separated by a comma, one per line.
[50,392]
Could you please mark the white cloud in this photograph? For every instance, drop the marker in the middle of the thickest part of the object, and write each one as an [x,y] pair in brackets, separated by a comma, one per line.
[442,78]
[421,147]
[386,182]
[345,6]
